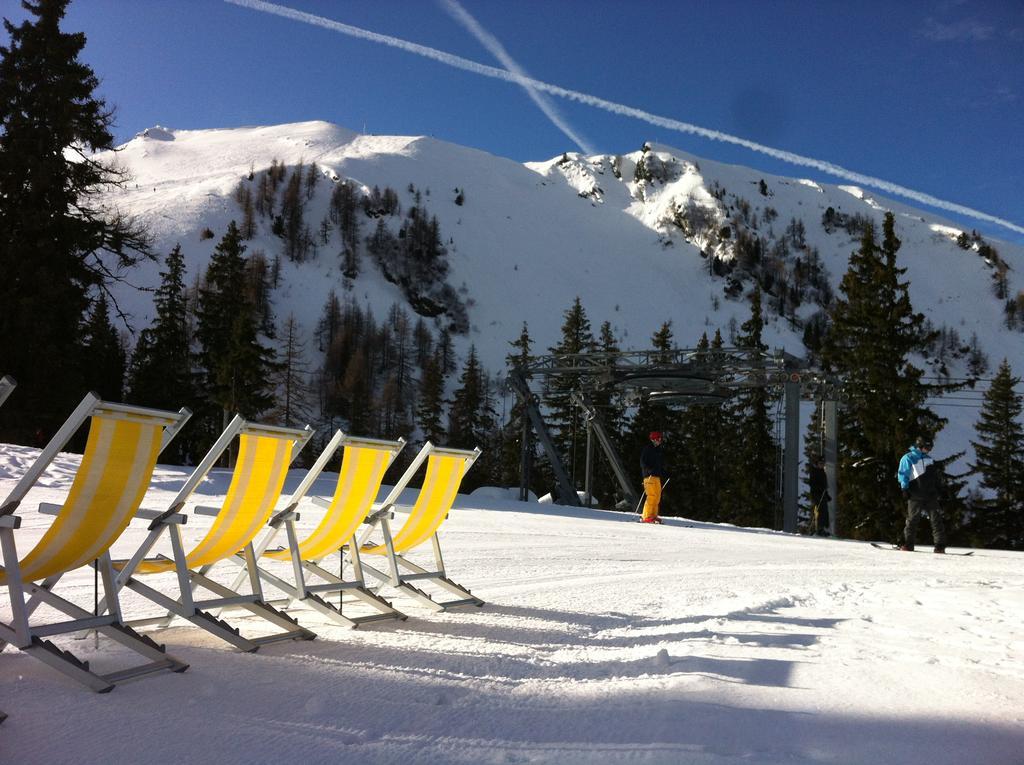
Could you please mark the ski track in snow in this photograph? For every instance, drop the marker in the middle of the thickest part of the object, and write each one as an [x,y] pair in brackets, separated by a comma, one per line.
[602,641]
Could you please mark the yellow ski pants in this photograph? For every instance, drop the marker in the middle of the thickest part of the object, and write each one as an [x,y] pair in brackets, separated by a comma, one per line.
[652,488]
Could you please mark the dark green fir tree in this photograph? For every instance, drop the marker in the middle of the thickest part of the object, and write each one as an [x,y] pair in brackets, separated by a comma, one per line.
[518,426]
[874,332]
[700,433]
[57,245]
[564,418]
[748,495]
[999,454]
[162,371]
[471,415]
[611,408]
[471,421]
[238,369]
[161,368]
[430,403]
[105,349]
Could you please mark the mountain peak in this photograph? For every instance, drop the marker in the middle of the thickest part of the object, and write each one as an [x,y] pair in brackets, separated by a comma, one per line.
[644,237]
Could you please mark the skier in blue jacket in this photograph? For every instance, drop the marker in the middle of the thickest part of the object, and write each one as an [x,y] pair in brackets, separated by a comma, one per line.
[921,482]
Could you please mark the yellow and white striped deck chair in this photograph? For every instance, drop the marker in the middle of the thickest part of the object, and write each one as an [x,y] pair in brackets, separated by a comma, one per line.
[364,462]
[115,472]
[264,455]
[444,473]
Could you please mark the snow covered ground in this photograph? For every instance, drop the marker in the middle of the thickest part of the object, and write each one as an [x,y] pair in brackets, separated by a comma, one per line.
[601,641]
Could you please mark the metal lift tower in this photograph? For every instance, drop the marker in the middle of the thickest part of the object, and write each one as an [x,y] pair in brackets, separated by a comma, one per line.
[680,377]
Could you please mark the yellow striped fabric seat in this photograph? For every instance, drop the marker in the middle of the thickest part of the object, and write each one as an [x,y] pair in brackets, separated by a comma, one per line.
[440,487]
[362,470]
[115,472]
[255,488]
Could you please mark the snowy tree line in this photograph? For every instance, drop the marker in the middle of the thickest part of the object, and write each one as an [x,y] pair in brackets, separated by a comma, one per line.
[388,378]
[216,347]
[725,457]
[358,223]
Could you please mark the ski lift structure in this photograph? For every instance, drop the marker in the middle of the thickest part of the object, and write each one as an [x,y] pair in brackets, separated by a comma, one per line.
[677,378]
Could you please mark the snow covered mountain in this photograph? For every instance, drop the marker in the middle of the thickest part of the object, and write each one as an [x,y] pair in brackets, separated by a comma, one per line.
[644,237]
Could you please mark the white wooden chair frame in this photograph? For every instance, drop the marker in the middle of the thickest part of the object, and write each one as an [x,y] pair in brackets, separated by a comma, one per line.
[188,580]
[108,620]
[300,588]
[402,571]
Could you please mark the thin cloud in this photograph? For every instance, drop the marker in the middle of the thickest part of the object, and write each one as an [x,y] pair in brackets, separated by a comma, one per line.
[497,50]
[967,30]
[626,111]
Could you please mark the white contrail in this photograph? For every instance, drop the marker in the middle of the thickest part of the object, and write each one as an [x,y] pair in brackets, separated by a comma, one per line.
[627,111]
[497,50]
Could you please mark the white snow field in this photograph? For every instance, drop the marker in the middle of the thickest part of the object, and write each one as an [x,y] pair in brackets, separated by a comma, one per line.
[602,640]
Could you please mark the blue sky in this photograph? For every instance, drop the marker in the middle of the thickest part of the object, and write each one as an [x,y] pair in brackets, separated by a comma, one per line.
[929,96]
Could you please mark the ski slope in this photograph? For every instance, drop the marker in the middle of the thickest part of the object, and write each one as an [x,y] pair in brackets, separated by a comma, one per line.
[602,641]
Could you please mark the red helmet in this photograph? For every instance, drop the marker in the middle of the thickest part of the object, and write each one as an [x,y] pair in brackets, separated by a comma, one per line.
[655,435]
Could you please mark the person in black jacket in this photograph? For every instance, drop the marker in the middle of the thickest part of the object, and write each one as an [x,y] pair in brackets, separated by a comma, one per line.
[652,465]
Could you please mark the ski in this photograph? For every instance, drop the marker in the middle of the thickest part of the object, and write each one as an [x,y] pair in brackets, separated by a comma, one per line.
[897,549]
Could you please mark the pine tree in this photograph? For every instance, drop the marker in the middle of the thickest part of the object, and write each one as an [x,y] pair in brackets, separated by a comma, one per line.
[999,462]
[162,367]
[471,420]
[748,494]
[512,442]
[430,404]
[346,331]
[471,415]
[343,212]
[357,392]
[258,288]
[238,367]
[330,322]
[383,247]
[564,418]
[611,406]
[265,193]
[327,329]
[402,358]
[445,351]
[293,206]
[57,245]
[104,348]
[312,179]
[294,406]
[423,341]
[243,195]
[700,436]
[874,331]
[663,341]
